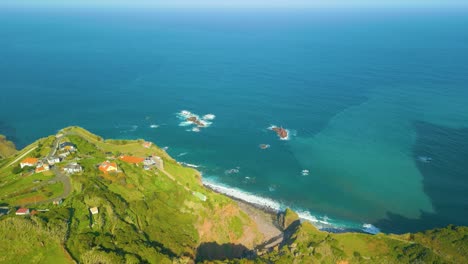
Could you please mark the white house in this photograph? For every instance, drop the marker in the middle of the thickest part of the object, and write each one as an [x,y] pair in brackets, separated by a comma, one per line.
[94,210]
[73,168]
[53,160]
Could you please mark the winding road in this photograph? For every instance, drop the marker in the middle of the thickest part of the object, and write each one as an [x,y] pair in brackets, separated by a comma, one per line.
[59,177]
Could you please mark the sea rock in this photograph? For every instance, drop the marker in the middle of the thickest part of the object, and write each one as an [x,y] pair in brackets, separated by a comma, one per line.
[281,132]
[195,120]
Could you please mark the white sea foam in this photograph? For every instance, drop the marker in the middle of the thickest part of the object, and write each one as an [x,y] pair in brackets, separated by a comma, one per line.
[185,123]
[182,154]
[190,165]
[185,114]
[320,222]
[232,171]
[424,159]
[209,117]
[287,130]
[244,196]
[369,228]
[154,126]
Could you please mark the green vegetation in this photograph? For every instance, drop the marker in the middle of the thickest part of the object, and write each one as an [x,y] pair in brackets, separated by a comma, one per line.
[158,216]
[30,241]
[7,148]
[309,245]
[22,186]
[144,216]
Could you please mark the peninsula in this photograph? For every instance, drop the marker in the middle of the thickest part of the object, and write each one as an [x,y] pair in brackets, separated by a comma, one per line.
[98,200]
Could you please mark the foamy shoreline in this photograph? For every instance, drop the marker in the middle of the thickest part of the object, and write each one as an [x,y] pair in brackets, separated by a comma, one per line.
[273,207]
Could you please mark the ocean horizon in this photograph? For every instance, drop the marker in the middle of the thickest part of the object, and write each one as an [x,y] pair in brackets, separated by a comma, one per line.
[374,101]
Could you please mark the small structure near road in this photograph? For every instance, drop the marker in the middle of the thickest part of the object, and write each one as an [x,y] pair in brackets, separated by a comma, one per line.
[42,167]
[67,146]
[73,168]
[153,161]
[57,202]
[94,210]
[22,211]
[52,160]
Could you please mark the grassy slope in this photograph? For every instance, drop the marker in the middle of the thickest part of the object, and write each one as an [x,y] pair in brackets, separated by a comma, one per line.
[29,242]
[7,148]
[144,216]
[309,245]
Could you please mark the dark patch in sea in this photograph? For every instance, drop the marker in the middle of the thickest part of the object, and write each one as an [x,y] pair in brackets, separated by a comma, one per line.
[445,179]
[10,133]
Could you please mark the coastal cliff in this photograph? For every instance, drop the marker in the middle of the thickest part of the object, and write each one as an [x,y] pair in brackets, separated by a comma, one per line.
[7,148]
[158,211]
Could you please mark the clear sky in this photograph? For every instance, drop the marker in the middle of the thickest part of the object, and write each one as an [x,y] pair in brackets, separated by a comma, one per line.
[236,3]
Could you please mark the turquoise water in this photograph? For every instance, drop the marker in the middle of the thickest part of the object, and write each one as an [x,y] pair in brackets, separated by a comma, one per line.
[376,101]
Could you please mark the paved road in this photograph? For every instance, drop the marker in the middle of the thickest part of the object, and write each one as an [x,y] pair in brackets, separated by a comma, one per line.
[59,177]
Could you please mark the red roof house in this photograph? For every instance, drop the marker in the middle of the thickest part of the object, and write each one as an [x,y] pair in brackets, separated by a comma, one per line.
[107,166]
[22,211]
[30,162]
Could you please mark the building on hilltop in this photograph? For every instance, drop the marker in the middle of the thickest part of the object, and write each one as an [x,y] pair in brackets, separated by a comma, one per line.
[147,144]
[41,167]
[158,162]
[107,166]
[29,162]
[22,211]
[73,168]
[52,160]
[94,210]
[153,161]
[67,146]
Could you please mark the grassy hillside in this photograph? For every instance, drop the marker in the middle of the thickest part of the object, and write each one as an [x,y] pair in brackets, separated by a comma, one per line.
[162,216]
[150,216]
[7,148]
[32,242]
[306,244]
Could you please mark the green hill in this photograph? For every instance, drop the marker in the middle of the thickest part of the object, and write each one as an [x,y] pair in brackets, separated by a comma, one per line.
[7,148]
[164,214]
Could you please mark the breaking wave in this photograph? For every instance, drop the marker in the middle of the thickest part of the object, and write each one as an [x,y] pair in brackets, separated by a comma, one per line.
[321,222]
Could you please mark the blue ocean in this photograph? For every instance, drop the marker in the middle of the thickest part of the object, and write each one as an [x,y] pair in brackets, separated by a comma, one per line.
[375,101]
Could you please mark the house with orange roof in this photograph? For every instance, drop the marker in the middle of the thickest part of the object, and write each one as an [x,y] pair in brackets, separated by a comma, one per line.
[130,159]
[42,167]
[147,144]
[29,162]
[107,166]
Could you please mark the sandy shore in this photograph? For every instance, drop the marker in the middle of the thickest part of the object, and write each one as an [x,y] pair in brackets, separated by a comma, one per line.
[265,218]
[266,223]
